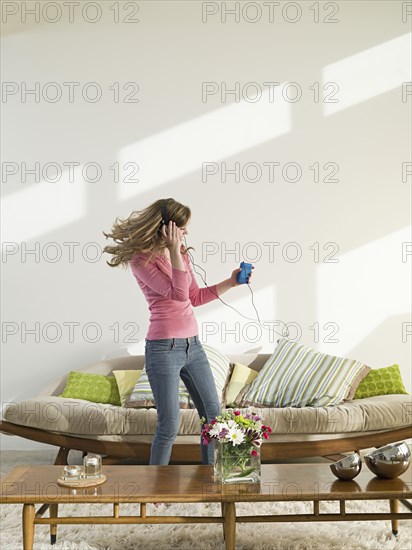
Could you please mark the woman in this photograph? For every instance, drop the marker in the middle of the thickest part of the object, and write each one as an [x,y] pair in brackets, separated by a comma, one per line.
[160,264]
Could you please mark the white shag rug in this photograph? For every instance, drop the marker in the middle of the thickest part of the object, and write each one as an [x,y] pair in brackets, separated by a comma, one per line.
[360,535]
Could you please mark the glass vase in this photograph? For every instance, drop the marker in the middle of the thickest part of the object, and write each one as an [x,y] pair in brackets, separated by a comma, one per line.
[236,464]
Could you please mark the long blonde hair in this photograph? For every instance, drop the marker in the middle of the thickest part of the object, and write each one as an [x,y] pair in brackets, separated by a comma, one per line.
[140,232]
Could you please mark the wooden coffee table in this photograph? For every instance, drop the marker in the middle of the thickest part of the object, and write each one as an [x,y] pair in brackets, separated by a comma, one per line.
[30,485]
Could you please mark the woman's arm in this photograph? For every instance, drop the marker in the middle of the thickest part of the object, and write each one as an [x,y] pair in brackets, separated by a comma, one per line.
[232,281]
[199,296]
[224,286]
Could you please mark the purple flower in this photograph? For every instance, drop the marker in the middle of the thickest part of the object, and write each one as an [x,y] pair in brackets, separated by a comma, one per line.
[223,433]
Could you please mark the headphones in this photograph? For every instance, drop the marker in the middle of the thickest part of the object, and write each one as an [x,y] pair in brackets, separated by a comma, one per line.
[165,221]
[165,217]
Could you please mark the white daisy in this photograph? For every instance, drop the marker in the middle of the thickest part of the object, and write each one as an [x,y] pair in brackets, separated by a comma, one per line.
[217,428]
[235,436]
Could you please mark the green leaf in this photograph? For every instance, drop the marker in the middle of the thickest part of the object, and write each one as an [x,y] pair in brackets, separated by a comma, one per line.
[246,472]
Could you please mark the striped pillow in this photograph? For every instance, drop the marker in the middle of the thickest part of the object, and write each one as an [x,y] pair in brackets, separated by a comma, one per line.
[220,367]
[298,376]
[142,395]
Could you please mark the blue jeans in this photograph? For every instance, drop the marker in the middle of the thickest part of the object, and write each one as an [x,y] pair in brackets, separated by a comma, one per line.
[168,360]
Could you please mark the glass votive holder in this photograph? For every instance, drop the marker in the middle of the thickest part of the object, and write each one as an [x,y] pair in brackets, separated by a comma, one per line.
[92,465]
[71,472]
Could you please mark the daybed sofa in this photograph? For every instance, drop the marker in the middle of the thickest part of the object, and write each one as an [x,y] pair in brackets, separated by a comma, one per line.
[119,433]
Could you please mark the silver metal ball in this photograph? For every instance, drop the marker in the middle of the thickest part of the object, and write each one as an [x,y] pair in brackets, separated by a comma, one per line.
[347,468]
[390,461]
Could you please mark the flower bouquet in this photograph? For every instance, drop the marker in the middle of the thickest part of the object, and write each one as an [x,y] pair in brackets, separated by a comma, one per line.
[237,445]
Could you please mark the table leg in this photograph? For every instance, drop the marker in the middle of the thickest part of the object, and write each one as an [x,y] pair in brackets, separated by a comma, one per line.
[230,525]
[222,504]
[394,506]
[28,526]
[53,512]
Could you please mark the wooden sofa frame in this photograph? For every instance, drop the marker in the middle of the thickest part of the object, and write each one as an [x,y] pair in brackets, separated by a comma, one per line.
[186,453]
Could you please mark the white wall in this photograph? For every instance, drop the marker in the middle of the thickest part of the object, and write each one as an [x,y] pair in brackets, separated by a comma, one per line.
[358,306]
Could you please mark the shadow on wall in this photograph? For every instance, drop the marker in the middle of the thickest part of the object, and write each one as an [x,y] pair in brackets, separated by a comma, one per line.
[381,353]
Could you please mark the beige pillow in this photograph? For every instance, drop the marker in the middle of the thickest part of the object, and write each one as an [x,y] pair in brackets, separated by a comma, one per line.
[126,380]
[241,376]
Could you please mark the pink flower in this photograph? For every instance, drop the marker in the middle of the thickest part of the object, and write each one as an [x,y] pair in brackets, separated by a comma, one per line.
[265,435]
[254,452]
[213,421]
[236,412]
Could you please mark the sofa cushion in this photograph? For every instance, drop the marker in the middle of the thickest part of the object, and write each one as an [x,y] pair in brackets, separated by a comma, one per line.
[240,377]
[96,388]
[298,376]
[83,418]
[126,380]
[384,381]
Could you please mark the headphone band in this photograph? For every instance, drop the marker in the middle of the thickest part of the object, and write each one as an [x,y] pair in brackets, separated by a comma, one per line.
[165,217]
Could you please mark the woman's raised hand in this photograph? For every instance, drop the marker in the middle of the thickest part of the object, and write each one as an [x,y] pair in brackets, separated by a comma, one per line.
[233,277]
[173,236]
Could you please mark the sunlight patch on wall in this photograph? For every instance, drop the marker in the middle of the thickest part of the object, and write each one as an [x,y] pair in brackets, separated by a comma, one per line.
[368,285]
[368,74]
[211,137]
[228,331]
[42,208]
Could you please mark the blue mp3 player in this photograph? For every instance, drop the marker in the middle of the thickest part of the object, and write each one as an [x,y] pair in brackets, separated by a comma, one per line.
[243,275]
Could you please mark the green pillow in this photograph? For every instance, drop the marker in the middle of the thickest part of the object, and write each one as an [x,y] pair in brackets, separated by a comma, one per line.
[126,380]
[383,381]
[97,388]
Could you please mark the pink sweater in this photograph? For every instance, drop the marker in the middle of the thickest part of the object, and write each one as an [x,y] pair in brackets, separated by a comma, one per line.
[170,293]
